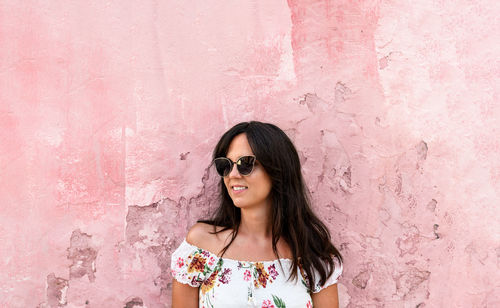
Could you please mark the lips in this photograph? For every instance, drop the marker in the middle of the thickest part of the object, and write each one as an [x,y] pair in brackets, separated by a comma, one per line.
[239,188]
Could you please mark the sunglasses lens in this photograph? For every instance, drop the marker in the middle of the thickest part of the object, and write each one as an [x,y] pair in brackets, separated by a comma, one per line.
[245,165]
[223,166]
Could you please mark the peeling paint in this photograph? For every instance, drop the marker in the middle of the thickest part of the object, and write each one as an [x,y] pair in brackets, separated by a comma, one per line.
[342,92]
[408,281]
[361,280]
[82,255]
[134,303]
[431,206]
[56,291]
[408,244]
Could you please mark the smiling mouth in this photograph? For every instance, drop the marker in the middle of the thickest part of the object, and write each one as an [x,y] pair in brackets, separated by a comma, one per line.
[239,188]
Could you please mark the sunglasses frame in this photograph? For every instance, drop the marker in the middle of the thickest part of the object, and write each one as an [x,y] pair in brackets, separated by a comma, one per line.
[232,163]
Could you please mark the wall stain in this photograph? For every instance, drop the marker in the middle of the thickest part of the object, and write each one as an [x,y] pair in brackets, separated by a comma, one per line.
[183,156]
[436,226]
[422,150]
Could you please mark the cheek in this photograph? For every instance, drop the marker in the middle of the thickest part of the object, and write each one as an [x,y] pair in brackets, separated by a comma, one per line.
[265,186]
[269,187]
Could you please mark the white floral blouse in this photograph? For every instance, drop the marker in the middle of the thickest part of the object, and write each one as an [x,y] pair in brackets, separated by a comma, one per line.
[231,283]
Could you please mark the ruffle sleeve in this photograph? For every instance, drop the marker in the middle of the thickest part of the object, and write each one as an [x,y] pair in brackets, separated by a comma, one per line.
[192,265]
[333,279]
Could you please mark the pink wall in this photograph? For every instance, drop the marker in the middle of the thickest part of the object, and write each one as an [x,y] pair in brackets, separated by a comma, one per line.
[109,111]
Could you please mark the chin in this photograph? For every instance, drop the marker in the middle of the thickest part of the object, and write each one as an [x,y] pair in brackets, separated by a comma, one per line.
[239,205]
[243,205]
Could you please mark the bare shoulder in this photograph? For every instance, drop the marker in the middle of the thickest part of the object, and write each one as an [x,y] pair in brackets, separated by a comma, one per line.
[199,234]
[202,235]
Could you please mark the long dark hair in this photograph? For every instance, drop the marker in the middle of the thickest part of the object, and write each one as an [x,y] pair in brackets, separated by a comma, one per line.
[291,216]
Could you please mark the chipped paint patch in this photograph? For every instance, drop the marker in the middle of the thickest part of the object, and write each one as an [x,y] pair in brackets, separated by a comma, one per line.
[82,255]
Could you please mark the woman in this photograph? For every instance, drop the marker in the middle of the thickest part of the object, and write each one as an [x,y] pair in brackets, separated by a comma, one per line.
[264,246]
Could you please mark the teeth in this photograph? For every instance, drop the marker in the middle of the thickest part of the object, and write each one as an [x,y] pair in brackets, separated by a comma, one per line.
[239,188]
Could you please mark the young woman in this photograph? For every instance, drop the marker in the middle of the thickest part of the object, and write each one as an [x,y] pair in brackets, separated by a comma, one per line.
[264,247]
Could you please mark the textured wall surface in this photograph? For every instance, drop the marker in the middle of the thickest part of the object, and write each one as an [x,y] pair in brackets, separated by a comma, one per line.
[109,111]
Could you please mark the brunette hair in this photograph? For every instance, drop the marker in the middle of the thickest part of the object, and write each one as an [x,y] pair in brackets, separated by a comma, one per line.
[291,215]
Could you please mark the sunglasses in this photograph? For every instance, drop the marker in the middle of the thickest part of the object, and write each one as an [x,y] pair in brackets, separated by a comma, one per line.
[244,164]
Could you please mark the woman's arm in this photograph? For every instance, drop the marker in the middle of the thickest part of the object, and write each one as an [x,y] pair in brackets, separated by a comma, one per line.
[184,296]
[326,298]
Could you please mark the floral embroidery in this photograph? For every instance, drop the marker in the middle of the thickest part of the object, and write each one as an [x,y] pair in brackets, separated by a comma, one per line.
[197,264]
[272,271]
[209,283]
[267,304]
[225,276]
[180,262]
[211,261]
[261,275]
[195,280]
[278,302]
[309,305]
[247,275]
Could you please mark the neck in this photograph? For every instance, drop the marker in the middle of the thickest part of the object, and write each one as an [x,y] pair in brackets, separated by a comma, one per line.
[255,222]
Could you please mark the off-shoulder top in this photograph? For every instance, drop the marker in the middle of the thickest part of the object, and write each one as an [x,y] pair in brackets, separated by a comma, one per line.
[231,283]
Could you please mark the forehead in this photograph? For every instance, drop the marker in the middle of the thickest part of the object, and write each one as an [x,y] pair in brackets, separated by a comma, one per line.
[238,147]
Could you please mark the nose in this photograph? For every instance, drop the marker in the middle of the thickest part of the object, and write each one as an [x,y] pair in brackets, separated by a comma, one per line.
[234,172]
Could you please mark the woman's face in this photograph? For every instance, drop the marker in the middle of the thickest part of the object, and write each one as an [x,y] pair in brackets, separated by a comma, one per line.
[256,186]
